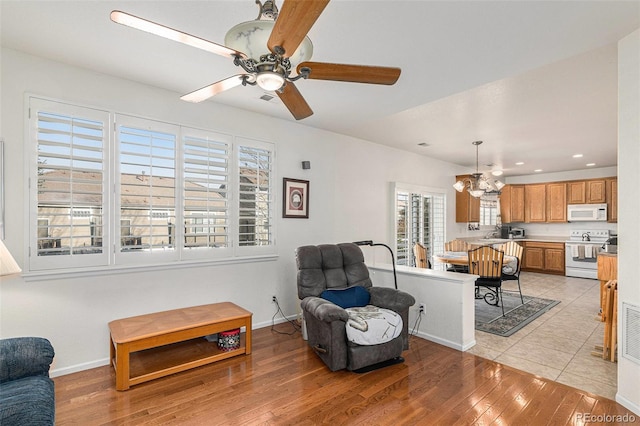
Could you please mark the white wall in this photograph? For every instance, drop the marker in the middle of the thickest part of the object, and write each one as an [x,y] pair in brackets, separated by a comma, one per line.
[628,184]
[349,190]
[591,173]
[448,297]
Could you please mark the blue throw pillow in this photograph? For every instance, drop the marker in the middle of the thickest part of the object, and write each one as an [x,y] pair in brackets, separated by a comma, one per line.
[347,297]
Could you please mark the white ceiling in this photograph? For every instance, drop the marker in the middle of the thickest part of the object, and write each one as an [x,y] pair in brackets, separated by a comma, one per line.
[535,80]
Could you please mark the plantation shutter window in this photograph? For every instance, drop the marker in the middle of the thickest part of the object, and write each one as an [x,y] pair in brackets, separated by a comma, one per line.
[420,217]
[115,190]
[206,192]
[255,197]
[403,248]
[69,184]
[146,183]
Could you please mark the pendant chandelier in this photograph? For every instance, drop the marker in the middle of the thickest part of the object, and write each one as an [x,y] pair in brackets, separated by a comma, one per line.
[478,184]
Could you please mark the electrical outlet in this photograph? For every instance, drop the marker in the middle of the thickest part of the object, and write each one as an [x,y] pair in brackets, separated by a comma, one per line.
[274,299]
[421,308]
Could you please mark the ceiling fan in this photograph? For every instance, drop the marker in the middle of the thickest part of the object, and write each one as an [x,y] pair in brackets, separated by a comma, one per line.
[273,51]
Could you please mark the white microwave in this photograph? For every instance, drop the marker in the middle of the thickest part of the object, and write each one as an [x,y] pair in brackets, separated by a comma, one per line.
[587,212]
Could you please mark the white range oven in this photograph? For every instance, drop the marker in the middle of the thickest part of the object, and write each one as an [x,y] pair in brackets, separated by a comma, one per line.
[581,252]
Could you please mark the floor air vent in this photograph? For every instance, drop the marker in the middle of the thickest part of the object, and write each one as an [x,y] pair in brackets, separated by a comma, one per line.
[631,332]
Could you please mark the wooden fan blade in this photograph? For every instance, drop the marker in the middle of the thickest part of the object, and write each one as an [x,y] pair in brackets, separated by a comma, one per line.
[295,19]
[213,89]
[132,21]
[294,101]
[351,73]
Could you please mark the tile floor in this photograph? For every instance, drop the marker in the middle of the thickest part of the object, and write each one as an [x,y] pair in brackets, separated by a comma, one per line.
[558,344]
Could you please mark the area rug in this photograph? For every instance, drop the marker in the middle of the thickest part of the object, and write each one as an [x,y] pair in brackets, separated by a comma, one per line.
[489,318]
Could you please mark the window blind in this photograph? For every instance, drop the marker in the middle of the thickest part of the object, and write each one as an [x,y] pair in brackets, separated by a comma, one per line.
[420,217]
[133,191]
[206,192]
[255,196]
[69,184]
[147,189]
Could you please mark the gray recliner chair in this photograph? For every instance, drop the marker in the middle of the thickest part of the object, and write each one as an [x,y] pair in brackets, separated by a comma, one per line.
[341,266]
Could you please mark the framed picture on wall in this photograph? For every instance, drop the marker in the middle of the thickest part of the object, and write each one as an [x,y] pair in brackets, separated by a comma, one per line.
[295,198]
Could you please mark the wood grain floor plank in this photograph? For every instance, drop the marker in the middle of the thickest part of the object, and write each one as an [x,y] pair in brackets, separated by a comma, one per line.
[284,382]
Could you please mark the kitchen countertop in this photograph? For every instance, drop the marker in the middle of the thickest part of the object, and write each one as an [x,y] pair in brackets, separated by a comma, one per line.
[538,238]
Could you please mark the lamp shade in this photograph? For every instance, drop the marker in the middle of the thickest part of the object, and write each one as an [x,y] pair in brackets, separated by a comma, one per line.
[459,186]
[476,193]
[8,265]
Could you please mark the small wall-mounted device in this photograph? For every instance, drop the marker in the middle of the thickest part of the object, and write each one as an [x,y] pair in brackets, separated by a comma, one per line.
[306,165]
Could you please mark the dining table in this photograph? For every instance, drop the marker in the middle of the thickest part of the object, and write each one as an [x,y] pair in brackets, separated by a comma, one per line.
[461,258]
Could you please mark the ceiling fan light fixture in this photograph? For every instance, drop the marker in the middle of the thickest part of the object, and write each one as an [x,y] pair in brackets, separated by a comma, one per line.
[270,49]
[251,39]
[269,80]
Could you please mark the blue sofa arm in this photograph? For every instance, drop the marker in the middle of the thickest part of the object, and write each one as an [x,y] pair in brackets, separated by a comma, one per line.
[27,394]
[23,357]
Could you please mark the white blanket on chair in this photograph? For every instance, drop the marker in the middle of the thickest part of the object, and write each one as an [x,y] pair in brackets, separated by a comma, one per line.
[371,325]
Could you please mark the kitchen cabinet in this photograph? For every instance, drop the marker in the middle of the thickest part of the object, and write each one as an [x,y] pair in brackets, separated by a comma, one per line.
[535,199]
[545,257]
[512,204]
[543,202]
[612,199]
[596,191]
[576,192]
[557,202]
[467,207]
[591,191]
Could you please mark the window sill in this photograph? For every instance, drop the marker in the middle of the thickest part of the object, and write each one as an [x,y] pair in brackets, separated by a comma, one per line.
[55,274]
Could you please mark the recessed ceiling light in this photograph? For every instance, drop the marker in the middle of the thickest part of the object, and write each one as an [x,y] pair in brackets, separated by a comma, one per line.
[591,164]
[537,170]
[577,155]
[497,172]
[519,163]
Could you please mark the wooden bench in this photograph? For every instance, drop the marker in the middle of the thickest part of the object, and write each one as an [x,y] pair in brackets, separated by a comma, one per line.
[150,346]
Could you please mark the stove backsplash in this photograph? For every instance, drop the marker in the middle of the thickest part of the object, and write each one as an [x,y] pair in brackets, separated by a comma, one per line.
[562,229]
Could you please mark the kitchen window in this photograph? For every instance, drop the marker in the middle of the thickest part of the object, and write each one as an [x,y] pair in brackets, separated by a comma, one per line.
[419,217]
[489,207]
[112,189]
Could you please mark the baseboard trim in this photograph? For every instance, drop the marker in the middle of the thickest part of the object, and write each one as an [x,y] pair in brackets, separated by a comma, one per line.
[79,367]
[630,405]
[447,343]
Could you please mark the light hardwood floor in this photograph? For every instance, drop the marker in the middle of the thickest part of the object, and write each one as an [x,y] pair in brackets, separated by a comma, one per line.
[284,382]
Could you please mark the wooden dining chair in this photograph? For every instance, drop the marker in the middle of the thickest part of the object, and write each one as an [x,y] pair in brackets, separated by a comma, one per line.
[513,249]
[420,254]
[486,262]
[457,246]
